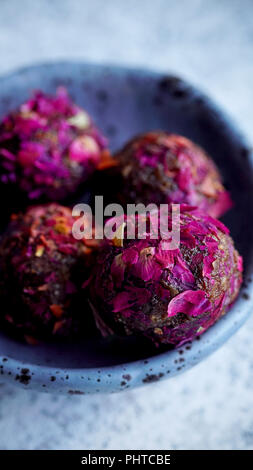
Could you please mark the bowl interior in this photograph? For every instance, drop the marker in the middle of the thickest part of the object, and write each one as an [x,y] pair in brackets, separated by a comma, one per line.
[124,103]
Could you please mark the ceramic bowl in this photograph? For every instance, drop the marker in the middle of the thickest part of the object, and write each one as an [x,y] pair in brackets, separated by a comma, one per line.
[125,102]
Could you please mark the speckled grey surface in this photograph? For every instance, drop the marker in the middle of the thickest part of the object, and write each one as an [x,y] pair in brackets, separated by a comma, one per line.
[210,43]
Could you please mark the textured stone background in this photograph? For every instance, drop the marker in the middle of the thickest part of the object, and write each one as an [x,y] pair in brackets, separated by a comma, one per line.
[210,43]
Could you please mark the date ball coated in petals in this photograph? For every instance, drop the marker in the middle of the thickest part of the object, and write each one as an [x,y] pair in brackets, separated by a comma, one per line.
[42,269]
[170,296]
[48,147]
[159,168]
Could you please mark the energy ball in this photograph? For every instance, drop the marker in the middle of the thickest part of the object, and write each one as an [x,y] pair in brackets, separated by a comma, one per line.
[42,270]
[48,147]
[170,296]
[164,168]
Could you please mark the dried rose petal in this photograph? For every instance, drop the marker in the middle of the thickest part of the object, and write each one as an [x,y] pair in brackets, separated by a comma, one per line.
[189,302]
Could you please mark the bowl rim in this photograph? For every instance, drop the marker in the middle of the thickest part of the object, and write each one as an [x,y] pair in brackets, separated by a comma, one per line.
[166,363]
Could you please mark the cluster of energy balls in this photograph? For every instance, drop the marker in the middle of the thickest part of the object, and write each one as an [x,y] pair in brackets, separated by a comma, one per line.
[49,149]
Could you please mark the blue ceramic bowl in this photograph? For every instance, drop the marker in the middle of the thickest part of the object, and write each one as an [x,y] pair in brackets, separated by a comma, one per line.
[125,102]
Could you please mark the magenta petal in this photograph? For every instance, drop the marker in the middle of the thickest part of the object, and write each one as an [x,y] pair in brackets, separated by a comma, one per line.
[30,152]
[182,272]
[240,264]
[184,178]
[146,267]
[222,205]
[130,256]
[207,266]
[190,302]
[220,225]
[165,257]
[122,301]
